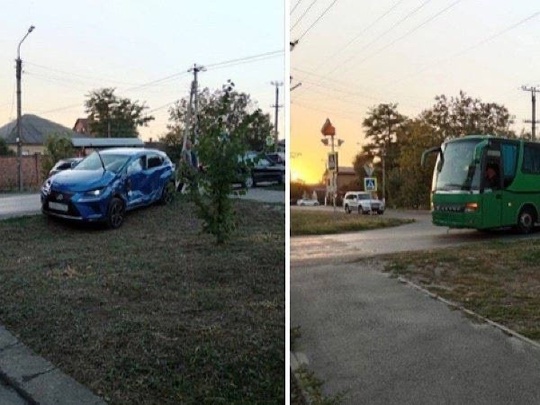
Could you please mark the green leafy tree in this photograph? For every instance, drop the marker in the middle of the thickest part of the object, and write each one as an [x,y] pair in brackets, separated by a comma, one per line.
[463,115]
[381,126]
[409,182]
[4,149]
[115,117]
[244,120]
[220,144]
[57,146]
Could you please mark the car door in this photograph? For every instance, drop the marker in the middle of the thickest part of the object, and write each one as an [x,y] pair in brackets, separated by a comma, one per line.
[154,172]
[135,184]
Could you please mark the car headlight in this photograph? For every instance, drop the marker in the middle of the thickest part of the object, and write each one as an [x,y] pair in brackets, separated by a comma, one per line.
[94,193]
[46,187]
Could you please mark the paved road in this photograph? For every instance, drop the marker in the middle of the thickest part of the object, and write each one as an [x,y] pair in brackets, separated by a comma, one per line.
[9,397]
[382,342]
[419,235]
[19,204]
[28,204]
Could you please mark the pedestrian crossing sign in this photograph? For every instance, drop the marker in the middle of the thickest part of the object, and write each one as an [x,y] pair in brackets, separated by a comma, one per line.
[370,184]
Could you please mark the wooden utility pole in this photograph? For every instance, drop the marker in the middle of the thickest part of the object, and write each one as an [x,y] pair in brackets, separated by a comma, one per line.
[533,99]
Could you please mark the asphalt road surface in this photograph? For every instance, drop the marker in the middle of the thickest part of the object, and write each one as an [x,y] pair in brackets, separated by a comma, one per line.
[419,235]
[379,341]
[29,204]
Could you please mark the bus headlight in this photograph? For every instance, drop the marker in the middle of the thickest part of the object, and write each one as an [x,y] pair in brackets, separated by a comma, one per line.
[471,207]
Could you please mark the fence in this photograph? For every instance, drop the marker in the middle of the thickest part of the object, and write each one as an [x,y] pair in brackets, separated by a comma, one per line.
[32,177]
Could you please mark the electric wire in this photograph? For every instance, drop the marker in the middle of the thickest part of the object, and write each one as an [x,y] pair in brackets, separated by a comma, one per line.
[472,47]
[317,20]
[411,31]
[303,14]
[296,5]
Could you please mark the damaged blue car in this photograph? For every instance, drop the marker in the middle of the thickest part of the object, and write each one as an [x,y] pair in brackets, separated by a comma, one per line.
[107,184]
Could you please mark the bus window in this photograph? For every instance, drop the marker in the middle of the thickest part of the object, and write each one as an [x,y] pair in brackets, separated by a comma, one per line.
[509,160]
[531,159]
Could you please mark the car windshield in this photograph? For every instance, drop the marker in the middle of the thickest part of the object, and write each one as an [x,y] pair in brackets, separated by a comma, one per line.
[113,163]
[455,170]
[364,197]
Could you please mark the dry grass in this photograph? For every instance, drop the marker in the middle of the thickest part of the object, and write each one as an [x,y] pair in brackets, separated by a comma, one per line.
[327,222]
[154,312]
[498,280]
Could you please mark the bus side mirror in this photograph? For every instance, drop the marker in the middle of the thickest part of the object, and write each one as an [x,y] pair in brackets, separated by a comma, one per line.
[427,152]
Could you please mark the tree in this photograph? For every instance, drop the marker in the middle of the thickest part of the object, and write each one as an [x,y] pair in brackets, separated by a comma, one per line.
[4,149]
[57,146]
[381,125]
[219,146]
[409,182]
[464,115]
[244,120]
[115,117]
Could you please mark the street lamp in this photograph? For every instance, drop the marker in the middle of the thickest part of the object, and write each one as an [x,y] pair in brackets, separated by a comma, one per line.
[18,72]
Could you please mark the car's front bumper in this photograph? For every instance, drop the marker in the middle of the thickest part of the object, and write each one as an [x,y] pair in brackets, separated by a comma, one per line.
[75,206]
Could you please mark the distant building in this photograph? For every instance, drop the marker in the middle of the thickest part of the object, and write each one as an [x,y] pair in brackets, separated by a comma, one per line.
[34,133]
[345,177]
[82,126]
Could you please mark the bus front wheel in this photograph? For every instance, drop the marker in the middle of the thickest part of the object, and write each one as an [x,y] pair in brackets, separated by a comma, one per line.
[526,220]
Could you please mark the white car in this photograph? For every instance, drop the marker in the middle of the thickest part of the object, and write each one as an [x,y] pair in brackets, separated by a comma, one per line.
[307,201]
[362,202]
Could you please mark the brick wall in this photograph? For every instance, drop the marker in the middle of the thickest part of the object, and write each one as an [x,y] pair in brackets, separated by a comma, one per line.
[31,172]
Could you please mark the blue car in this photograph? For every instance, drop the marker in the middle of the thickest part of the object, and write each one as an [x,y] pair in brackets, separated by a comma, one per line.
[107,184]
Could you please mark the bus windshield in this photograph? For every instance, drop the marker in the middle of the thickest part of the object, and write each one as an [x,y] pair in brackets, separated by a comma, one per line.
[455,169]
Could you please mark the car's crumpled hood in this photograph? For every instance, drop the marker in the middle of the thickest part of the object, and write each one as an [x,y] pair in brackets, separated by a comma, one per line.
[76,181]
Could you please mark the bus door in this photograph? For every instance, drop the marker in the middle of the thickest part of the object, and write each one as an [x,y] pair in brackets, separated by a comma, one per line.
[492,187]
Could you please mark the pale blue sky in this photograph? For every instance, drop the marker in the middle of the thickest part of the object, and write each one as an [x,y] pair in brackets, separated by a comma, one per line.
[362,53]
[82,45]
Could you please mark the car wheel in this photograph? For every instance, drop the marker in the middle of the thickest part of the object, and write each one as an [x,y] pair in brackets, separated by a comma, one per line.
[167,194]
[116,213]
[526,220]
[347,209]
[381,212]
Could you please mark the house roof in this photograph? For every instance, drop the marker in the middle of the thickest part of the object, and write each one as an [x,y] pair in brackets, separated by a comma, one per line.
[34,130]
[89,142]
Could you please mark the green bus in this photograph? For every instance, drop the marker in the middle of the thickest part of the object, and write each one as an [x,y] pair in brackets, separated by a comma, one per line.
[463,197]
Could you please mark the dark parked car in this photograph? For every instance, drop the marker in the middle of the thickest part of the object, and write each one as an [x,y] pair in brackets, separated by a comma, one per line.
[256,168]
[106,184]
[64,164]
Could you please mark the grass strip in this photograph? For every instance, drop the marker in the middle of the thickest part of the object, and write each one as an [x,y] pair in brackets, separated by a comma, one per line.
[314,222]
[153,312]
[498,280]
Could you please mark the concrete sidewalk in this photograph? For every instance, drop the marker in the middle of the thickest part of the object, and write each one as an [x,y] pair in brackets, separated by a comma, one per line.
[30,379]
[380,341]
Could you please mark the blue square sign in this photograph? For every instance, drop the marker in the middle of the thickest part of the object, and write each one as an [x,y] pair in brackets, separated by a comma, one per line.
[370,184]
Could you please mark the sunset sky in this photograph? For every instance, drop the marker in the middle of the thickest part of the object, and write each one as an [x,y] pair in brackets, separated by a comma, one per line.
[143,49]
[353,55]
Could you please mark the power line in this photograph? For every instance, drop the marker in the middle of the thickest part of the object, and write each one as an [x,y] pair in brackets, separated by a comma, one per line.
[412,30]
[392,27]
[245,59]
[317,20]
[303,14]
[296,5]
[360,34]
[478,44]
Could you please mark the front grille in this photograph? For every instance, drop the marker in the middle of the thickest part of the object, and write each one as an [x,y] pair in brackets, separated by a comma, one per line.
[450,208]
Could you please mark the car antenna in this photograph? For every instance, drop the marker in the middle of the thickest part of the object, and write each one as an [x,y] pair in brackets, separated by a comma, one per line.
[100,159]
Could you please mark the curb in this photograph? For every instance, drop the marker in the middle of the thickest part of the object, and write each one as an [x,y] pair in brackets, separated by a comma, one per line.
[37,380]
[473,314]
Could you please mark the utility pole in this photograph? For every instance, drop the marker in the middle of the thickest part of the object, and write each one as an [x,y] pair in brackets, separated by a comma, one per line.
[277,106]
[533,99]
[18,74]
[193,106]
